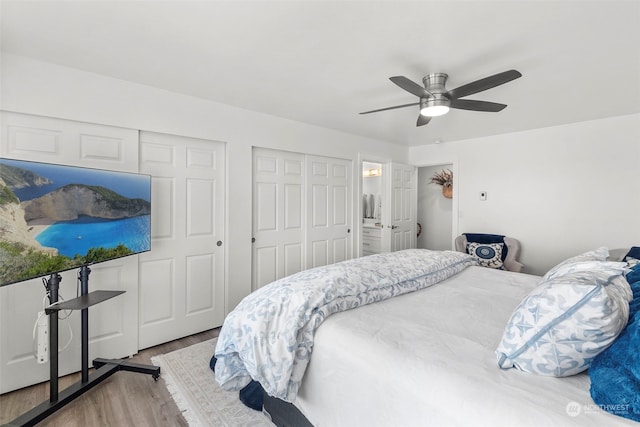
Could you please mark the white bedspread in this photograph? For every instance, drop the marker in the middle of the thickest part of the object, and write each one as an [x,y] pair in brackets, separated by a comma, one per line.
[428,359]
[269,335]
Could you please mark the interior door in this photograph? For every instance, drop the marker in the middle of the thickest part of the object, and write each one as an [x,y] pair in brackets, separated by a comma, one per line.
[113,325]
[329,237]
[301,213]
[182,277]
[278,215]
[401,227]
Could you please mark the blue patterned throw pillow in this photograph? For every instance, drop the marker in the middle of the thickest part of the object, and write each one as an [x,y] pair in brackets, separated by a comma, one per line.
[565,322]
[487,254]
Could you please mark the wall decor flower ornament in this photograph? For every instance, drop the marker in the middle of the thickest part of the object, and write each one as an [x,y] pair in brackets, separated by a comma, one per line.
[445,179]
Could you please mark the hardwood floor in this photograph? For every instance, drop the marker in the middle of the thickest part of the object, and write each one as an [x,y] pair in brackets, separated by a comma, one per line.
[123,399]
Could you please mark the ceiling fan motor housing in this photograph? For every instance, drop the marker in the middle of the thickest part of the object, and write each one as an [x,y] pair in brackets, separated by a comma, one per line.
[435,85]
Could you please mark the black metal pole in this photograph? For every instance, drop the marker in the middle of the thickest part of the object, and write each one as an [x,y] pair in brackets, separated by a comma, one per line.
[104,368]
[53,285]
[84,322]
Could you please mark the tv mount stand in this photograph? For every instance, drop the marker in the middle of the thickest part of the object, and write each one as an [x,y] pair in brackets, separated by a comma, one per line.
[104,368]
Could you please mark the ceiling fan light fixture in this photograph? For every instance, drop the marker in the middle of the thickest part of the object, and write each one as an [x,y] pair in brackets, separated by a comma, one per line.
[435,99]
[435,111]
[434,107]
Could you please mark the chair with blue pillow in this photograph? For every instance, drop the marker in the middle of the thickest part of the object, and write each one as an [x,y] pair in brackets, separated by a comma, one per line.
[491,250]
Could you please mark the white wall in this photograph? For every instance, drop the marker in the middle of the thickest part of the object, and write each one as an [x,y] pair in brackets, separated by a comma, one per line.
[560,190]
[434,211]
[36,87]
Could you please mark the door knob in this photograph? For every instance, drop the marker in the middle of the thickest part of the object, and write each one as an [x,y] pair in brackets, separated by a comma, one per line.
[393,227]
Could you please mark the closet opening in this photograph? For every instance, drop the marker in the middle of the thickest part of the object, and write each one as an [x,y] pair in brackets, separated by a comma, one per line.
[372,206]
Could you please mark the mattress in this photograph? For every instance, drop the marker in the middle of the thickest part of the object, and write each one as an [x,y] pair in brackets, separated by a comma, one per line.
[428,358]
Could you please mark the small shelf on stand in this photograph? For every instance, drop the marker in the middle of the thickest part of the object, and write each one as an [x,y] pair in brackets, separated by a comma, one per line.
[84,301]
[104,368]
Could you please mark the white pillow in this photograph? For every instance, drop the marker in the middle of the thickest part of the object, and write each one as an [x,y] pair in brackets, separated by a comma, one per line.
[609,268]
[564,323]
[599,254]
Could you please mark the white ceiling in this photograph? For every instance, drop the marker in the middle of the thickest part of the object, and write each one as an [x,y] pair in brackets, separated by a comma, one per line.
[323,62]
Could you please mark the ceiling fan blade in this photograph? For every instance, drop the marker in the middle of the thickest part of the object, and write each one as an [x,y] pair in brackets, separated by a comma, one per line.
[391,108]
[410,86]
[423,120]
[483,84]
[471,104]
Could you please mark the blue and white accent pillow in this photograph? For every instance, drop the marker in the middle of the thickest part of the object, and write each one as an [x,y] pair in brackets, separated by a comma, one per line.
[596,255]
[608,268]
[487,254]
[565,322]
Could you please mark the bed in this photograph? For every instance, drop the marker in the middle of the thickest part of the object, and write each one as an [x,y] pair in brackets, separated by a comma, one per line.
[426,356]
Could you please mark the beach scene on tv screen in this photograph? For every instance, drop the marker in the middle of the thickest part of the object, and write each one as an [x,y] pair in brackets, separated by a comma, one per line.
[55,217]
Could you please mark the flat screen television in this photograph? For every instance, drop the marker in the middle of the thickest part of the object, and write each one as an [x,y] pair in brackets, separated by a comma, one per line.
[55,218]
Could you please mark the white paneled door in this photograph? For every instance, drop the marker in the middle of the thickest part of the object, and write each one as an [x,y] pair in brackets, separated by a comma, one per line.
[182,277]
[301,213]
[402,225]
[328,231]
[278,221]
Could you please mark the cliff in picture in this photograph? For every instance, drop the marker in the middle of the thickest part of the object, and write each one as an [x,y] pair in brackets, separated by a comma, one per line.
[55,217]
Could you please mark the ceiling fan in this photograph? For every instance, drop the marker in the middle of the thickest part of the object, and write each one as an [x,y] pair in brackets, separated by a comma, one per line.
[435,99]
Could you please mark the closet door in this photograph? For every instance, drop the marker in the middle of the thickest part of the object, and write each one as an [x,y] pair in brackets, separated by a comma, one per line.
[402,227]
[278,221]
[301,213]
[113,324]
[182,277]
[329,200]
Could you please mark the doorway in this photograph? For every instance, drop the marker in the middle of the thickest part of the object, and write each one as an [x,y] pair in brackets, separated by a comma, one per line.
[388,221]
[435,211]
[372,203]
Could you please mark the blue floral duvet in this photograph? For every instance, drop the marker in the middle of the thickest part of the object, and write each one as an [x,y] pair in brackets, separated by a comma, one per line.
[268,337]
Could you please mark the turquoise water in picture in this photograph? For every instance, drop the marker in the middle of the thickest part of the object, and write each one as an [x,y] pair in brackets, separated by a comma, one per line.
[77,237]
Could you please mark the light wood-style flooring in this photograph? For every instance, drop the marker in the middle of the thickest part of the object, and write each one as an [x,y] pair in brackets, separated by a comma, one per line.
[124,399]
